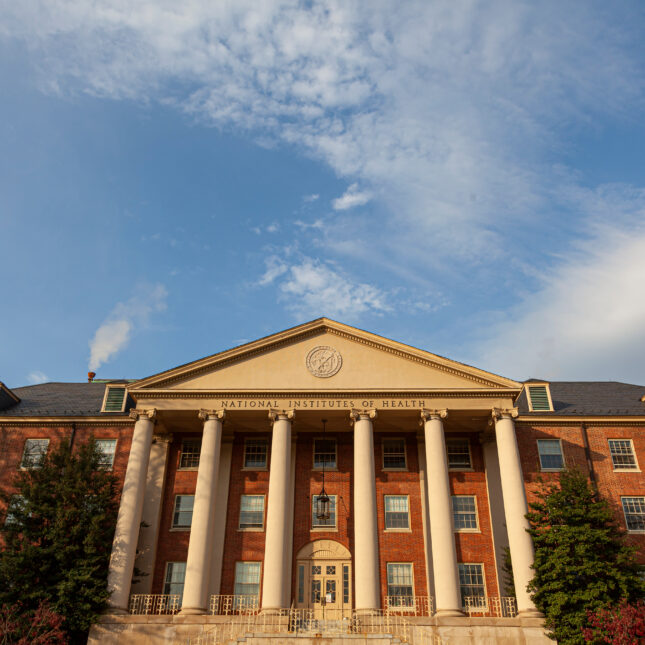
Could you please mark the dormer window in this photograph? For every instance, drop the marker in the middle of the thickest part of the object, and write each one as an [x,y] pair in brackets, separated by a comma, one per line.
[539,398]
[114,399]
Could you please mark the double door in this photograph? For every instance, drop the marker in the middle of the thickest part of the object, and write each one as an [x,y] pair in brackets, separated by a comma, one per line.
[324,588]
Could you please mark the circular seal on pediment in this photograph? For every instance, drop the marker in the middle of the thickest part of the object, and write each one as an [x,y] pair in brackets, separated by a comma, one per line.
[323,361]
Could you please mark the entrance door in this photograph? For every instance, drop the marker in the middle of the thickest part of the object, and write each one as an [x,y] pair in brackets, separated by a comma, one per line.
[324,584]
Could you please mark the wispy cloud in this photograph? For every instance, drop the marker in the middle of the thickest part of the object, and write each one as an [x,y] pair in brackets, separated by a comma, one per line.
[308,199]
[351,198]
[36,377]
[115,332]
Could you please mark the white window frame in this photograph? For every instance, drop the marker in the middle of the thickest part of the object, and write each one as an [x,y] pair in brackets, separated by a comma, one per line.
[313,454]
[31,466]
[461,530]
[407,529]
[239,519]
[470,455]
[551,470]
[548,394]
[622,503]
[235,582]
[619,469]
[106,465]
[387,585]
[105,397]
[481,608]
[181,527]
[324,527]
[247,440]
[391,469]
[167,583]
[195,440]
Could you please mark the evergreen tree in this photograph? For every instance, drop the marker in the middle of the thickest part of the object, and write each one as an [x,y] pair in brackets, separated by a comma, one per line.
[581,560]
[58,536]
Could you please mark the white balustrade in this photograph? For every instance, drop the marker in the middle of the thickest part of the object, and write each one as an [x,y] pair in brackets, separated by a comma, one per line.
[157,604]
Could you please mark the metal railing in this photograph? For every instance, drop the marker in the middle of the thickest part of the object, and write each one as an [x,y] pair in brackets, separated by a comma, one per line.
[226,605]
[410,605]
[491,606]
[159,604]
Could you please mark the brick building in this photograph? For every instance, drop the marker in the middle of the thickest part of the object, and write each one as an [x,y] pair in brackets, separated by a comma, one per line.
[335,473]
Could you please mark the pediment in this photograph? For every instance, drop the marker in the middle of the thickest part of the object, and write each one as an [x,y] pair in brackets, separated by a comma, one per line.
[367,362]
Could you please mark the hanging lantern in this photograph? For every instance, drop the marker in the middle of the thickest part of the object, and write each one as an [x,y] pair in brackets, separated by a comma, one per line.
[322,501]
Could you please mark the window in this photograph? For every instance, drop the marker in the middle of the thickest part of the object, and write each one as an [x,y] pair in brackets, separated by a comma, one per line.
[247,578]
[394,454]
[114,399]
[252,512]
[471,582]
[255,453]
[324,453]
[106,449]
[16,504]
[397,514]
[539,398]
[34,452]
[331,522]
[634,509]
[174,580]
[550,451]
[190,449]
[622,454]
[464,512]
[182,516]
[458,453]
[400,584]
[345,584]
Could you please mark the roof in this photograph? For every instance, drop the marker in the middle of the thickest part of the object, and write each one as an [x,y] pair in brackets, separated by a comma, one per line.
[590,398]
[60,400]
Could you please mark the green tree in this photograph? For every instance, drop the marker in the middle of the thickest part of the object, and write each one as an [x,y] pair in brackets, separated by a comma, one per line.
[581,560]
[58,536]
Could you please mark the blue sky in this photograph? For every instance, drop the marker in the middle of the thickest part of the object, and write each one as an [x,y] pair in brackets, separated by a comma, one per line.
[180,178]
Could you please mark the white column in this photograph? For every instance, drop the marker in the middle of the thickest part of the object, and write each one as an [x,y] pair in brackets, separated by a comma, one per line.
[515,508]
[126,534]
[277,533]
[444,554]
[202,528]
[366,552]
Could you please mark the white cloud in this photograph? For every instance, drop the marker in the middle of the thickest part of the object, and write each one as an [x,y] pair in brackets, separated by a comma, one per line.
[115,332]
[587,320]
[351,198]
[311,198]
[36,377]
[274,269]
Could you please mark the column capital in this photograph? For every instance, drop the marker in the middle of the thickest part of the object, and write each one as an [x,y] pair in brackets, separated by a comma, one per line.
[361,415]
[426,414]
[209,415]
[137,414]
[501,413]
[165,437]
[281,415]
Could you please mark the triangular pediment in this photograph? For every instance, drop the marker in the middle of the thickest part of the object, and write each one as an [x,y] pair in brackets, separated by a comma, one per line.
[324,355]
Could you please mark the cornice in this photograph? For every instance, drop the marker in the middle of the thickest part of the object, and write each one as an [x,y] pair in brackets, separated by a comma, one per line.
[65,421]
[577,421]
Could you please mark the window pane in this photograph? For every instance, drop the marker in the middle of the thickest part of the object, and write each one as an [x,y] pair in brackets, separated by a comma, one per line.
[106,448]
[252,512]
[190,449]
[247,578]
[345,584]
[183,515]
[175,574]
[634,509]
[332,512]
[458,453]
[396,512]
[255,453]
[622,453]
[464,512]
[16,505]
[324,453]
[34,453]
[394,453]
[399,579]
[471,581]
[550,452]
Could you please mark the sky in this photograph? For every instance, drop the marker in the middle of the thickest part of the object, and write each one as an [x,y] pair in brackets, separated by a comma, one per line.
[177,179]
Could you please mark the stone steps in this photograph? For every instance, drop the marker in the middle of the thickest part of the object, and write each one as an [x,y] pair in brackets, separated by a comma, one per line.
[312,639]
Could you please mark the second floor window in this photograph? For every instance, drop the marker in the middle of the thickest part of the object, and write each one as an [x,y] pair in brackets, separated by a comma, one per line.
[397,515]
[550,451]
[255,453]
[190,449]
[464,512]
[252,512]
[394,454]
[622,454]
[318,523]
[182,516]
[106,449]
[458,451]
[34,452]
[634,510]
[324,453]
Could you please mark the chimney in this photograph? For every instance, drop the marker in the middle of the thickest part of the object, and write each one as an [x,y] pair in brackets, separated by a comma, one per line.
[90,376]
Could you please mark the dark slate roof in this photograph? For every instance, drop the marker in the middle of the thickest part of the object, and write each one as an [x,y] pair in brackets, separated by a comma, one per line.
[60,400]
[601,398]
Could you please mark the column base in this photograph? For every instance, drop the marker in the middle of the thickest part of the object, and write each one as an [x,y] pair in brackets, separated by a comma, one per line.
[273,611]
[191,611]
[445,613]
[530,613]
[367,612]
